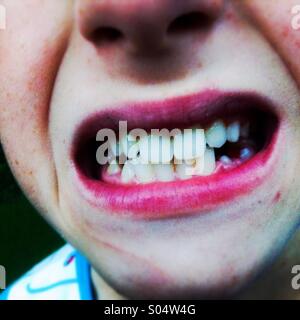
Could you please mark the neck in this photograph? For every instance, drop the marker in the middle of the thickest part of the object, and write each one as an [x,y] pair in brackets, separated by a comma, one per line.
[103,290]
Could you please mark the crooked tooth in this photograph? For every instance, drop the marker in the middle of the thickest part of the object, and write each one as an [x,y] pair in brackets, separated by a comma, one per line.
[216,135]
[233,132]
[143,172]
[209,161]
[128,173]
[164,172]
[113,168]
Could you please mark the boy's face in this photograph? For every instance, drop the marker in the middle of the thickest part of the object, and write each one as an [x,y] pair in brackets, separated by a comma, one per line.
[63,62]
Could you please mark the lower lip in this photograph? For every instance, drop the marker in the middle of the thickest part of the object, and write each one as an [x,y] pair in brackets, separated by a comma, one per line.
[198,195]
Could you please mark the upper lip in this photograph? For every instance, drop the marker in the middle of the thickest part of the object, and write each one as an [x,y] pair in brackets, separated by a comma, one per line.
[175,198]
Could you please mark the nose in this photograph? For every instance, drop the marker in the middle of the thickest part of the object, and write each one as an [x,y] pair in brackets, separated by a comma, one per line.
[144,25]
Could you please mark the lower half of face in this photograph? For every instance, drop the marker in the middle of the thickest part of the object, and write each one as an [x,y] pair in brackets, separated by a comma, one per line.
[153,230]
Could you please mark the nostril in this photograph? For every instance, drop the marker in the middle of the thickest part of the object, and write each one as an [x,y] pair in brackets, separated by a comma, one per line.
[105,35]
[188,22]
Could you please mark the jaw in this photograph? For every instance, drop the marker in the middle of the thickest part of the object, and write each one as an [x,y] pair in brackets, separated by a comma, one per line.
[212,256]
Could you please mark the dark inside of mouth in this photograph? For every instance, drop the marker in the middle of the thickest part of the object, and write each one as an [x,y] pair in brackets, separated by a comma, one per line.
[262,127]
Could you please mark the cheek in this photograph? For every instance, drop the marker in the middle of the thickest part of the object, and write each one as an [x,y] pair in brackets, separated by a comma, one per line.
[285,38]
[29,60]
[274,18]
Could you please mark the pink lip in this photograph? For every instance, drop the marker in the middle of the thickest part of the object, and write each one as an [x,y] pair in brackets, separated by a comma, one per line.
[177,198]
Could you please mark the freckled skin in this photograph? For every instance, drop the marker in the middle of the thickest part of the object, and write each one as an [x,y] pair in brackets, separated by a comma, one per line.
[53,76]
[26,95]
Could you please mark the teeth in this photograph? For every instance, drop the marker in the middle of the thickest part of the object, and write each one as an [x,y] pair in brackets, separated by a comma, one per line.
[216,135]
[144,144]
[166,150]
[233,132]
[128,173]
[193,143]
[155,150]
[209,161]
[113,168]
[225,160]
[133,151]
[115,149]
[124,145]
[190,168]
[164,172]
[199,166]
[191,162]
[128,145]
[178,147]
[246,153]
[143,172]
[189,145]
[200,143]
[184,171]
[191,153]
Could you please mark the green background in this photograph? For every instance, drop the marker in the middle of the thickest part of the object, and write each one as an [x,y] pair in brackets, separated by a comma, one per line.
[25,239]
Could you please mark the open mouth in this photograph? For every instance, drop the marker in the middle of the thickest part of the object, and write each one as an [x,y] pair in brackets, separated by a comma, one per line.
[221,149]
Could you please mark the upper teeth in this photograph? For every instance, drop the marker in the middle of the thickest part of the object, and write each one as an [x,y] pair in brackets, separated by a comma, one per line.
[191,152]
[155,149]
[233,132]
[216,135]
[190,144]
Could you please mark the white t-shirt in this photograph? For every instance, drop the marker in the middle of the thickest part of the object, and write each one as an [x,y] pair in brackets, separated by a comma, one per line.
[65,275]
